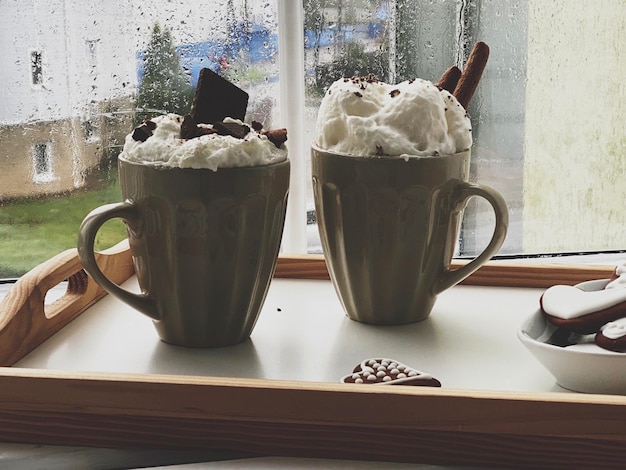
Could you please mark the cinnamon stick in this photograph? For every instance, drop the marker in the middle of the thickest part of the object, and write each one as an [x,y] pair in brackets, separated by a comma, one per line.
[449,79]
[473,71]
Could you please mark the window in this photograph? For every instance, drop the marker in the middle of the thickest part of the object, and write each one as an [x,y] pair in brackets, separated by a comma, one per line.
[92,45]
[90,131]
[547,117]
[36,68]
[552,67]
[42,162]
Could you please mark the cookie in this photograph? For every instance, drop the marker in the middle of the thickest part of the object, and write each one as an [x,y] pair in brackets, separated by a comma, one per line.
[586,312]
[612,336]
[582,312]
[383,371]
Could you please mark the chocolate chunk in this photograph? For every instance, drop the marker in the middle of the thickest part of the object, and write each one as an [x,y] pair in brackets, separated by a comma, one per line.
[238,131]
[256,125]
[189,128]
[141,133]
[205,131]
[216,98]
[277,136]
[393,93]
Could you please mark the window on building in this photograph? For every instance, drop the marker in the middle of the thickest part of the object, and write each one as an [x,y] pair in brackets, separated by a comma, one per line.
[92,45]
[90,130]
[42,162]
[36,68]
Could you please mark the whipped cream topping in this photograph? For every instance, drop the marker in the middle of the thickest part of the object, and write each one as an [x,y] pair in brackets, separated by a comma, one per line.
[569,302]
[165,147]
[615,329]
[366,117]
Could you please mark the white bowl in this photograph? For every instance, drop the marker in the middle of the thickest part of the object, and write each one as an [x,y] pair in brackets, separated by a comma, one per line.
[582,367]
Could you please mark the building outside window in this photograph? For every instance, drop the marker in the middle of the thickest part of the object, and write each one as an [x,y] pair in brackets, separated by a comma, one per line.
[547,118]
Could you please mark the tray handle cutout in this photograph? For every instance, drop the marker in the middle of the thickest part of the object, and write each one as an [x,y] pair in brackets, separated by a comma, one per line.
[26,320]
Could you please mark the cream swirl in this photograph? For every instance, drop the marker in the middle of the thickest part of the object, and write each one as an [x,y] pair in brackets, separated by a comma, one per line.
[615,329]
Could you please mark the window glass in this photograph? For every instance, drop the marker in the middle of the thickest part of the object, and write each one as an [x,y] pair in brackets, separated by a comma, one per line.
[547,118]
[74,83]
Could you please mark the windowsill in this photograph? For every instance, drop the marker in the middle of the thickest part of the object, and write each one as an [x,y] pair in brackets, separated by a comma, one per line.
[504,273]
[44,179]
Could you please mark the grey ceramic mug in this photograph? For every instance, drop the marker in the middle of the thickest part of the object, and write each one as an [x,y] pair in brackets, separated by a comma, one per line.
[389,227]
[204,244]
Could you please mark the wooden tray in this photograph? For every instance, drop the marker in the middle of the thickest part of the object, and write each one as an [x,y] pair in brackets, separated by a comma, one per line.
[284,418]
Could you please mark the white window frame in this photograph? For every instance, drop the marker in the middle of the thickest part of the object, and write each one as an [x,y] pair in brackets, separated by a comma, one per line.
[292,91]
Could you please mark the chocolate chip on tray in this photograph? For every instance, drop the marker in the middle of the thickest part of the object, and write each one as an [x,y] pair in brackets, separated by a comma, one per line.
[388,371]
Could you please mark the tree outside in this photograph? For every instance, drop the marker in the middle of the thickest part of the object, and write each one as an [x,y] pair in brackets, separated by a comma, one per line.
[164,87]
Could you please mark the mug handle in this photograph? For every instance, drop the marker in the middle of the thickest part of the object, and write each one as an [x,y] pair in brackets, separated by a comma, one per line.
[86,239]
[466,190]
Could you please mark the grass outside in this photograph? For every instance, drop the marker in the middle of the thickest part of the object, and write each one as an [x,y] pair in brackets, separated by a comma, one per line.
[34,230]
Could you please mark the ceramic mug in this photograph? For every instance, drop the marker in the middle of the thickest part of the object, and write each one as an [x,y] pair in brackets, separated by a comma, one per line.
[389,227]
[204,244]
